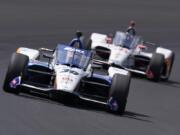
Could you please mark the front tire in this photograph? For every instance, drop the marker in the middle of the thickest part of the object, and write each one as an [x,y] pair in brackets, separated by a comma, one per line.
[155,67]
[118,93]
[16,68]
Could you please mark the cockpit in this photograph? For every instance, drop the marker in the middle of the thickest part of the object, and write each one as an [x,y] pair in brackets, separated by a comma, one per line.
[66,55]
[126,40]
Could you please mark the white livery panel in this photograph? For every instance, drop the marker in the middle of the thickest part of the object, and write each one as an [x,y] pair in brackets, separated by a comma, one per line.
[67,78]
[113,70]
[166,52]
[31,53]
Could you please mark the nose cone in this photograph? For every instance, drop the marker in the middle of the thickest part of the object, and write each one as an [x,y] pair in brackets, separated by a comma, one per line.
[67,81]
[118,56]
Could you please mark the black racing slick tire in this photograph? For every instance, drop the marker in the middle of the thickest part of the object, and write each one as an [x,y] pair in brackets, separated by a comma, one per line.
[16,68]
[118,93]
[156,66]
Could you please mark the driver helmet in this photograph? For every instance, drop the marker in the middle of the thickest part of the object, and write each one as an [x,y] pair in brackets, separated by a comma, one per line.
[132,23]
[79,34]
[109,38]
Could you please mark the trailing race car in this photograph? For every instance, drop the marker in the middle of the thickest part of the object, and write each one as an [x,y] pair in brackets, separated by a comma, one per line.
[133,54]
[69,71]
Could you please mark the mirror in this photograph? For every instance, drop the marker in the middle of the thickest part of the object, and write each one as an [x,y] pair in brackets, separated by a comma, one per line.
[45,55]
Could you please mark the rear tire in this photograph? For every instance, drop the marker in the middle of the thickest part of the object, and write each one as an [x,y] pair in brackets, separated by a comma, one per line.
[119,92]
[156,67]
[16,68]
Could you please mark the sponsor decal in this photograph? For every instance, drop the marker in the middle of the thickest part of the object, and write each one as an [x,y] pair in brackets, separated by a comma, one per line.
[112,103]
[15,82]
[72,49]
[67,79]
[125,50]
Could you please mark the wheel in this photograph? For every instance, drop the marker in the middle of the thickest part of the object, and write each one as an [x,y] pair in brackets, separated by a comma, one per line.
[155,67]
[118,93]
[171,65]
[16,68]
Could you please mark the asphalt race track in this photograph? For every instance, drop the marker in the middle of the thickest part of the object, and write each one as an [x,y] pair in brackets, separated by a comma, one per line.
[152,109]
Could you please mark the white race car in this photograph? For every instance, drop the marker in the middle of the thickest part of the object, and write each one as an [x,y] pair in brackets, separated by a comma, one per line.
[133,54]
[69,71]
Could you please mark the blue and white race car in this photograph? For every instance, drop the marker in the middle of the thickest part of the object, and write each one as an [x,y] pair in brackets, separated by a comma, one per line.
[67,71]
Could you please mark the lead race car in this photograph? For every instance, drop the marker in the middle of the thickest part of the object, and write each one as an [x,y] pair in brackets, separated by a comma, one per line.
[133,54]
[68,71]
